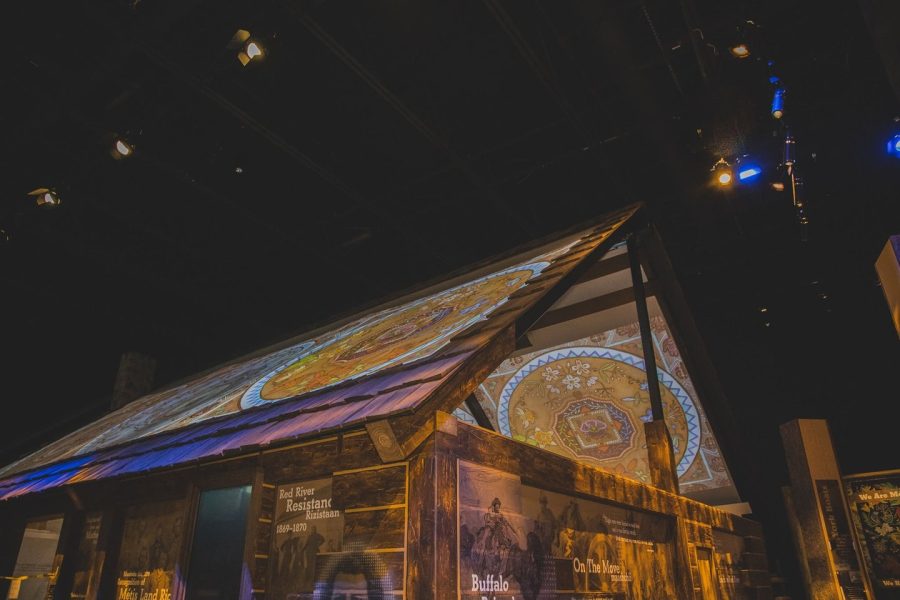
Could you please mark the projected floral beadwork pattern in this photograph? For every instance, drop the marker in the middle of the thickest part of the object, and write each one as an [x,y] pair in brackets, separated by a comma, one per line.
[408,333]
[587,399]
[590,402]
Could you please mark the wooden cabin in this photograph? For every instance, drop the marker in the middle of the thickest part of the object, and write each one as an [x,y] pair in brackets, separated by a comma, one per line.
[545,425]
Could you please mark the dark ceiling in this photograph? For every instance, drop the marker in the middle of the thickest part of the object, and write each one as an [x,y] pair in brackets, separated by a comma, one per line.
[378,145]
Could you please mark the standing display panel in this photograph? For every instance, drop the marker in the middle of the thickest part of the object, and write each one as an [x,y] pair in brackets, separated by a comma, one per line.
[874,501]
[37,564]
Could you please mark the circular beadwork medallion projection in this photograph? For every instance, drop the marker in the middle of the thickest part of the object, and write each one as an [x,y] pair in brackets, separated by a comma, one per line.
[590,403]
[395,336]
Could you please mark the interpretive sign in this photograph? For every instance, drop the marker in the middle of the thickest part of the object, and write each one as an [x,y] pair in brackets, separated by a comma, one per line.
[149,555]
[519,541]
[729,551]
[875,509]
[88,561]
[840,539]
[306,526]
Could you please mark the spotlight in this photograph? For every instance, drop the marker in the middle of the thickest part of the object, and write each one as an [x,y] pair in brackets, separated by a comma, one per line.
[121,149]
[740,51]
[893,146]
[253,50]
[45,197]
[250,49]
[722,173]
[778,103]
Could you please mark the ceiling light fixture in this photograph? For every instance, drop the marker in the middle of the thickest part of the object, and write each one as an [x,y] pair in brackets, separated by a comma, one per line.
[45,197]
[121,149]
[722,173]
[740,50]
[893,146]
[250,49]
[778,103]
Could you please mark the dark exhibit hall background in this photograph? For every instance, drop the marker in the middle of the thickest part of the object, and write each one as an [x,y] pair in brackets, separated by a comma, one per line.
[264,201]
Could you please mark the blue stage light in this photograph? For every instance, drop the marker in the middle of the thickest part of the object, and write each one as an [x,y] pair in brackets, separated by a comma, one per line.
[893,146]
[748,172]
[778,103]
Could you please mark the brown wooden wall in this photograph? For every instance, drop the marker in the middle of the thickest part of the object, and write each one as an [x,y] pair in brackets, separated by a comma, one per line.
[370,495]
[405,512]
[433,560]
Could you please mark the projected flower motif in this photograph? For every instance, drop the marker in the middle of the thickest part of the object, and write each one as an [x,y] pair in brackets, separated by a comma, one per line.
[543,438]
[580,368]
[884,529]
[571,382]
[550,374]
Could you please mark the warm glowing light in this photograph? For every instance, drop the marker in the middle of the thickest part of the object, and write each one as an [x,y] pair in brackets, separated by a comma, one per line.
[777,186]
[740,51]
[722,172]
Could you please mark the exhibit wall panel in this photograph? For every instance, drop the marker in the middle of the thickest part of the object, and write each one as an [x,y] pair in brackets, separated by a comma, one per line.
[341,533]
[532,524]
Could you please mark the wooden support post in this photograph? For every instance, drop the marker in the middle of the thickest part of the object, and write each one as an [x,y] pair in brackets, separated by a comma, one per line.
[661,456]
[663,468]
[445,511]
[420,543]
[822,515]
[474,407]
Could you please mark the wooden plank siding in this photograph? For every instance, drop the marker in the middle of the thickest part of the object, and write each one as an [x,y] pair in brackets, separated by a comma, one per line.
[433,525]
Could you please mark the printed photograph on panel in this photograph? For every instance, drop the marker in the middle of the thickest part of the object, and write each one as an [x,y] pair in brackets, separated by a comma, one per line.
[306,530]
[319,552]
[875,510]
[520,541]
[152,539]
[88,561]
